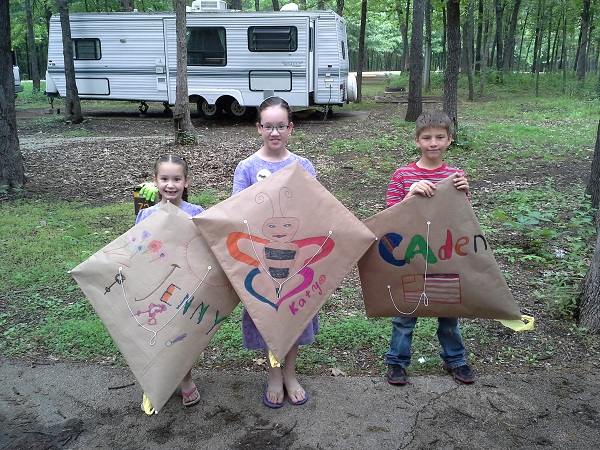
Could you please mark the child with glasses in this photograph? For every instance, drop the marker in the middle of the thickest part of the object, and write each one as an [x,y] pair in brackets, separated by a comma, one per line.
[274,124]
[433,136]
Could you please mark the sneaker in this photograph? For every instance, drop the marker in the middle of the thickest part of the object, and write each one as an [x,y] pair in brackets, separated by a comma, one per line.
[464,374]
[396,374]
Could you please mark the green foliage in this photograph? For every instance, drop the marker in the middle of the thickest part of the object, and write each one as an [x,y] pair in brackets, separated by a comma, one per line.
[559,229]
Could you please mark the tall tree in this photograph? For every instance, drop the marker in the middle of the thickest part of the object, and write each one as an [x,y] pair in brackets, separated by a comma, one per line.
[184,130]
[34,71]
[537,47]
[509,48]
[593,186]
[12,173]
[469,46]
[589,301]
[72,104]
[485,55]
[499,7]
[339,7]
[452,62]
[275,5]
[402,14]
[427,49]
[361,50]
[127,5]
[583,42]
[237,5]
[479,39]
[415,77]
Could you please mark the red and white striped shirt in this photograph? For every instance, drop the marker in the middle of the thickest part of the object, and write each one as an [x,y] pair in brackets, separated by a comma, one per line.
[405,176]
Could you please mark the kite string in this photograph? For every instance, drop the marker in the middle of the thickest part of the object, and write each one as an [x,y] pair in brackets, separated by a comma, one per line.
[423,297]
[155,332]
[280,284]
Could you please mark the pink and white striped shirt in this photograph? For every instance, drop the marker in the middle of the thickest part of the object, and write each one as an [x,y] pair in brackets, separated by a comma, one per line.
[404,177]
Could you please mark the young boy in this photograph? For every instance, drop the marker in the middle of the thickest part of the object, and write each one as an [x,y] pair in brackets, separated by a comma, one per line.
[433,135]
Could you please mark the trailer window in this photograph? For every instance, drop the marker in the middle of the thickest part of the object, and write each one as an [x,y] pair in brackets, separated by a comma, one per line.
[272,39]
[206,46]
[86,49]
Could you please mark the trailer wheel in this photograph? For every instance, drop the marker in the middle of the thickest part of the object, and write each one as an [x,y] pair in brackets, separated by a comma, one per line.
[208,111]
[237,111]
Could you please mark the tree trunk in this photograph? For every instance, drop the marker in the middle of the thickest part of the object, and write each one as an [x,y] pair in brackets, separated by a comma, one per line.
[257,5]
[184,130]
[563,57]
[361,50]
[237,5]
[583,43]
[320,5]
[593,186]
[403,23]
[522,40]
[72,104]
[499,6]
[485,59]
[479,47]
[537,46]
[127,5]
[275,5]
[589,300]
[452,62]
[469,31]
[339,7]
[34,71]
[427,50]
[509,48]
[12,173]
[415,79]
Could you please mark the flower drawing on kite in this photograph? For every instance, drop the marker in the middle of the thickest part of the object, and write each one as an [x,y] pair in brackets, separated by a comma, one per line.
[281,263]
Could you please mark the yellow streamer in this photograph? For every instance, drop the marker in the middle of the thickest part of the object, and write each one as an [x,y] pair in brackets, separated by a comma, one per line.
[524,324]
[147,406]
[273,360]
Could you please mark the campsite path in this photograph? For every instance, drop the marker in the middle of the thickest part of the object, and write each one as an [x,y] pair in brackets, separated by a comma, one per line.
[80,406]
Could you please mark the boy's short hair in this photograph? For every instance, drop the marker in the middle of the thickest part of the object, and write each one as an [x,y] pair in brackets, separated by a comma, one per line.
[434,119]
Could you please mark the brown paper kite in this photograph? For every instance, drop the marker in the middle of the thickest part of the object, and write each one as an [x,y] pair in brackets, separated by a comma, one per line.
[162,296]
[285,243]
[432,260]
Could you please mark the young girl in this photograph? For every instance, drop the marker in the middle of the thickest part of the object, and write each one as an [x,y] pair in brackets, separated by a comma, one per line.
[274,124]
[171,177]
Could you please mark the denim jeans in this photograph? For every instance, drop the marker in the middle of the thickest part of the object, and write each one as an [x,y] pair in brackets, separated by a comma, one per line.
[453,351]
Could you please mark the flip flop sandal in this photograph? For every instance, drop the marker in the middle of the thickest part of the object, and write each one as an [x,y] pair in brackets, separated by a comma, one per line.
[266,400]
[188,394]
[299,402]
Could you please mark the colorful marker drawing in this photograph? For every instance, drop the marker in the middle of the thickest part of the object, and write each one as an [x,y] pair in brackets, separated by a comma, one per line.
[278,256]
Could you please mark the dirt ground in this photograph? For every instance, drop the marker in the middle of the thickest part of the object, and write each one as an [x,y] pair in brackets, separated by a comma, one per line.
[515,404]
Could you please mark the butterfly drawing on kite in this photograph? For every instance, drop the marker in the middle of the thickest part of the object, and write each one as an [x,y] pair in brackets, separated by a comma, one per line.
[280,266]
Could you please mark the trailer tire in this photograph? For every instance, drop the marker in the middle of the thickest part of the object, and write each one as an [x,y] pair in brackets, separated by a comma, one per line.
[352,92]
[236,111]
[208,111]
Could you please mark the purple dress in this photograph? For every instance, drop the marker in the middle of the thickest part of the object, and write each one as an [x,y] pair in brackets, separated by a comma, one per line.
[249,171]
[186,207]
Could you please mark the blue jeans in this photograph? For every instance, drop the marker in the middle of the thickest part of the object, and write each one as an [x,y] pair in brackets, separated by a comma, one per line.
[453,351]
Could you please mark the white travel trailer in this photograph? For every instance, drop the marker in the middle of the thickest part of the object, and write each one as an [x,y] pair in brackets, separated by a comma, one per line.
[235,58]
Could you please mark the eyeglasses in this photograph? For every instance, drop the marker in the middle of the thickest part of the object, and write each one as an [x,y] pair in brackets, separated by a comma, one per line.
[270,128]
